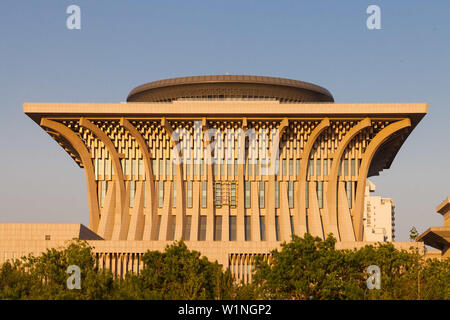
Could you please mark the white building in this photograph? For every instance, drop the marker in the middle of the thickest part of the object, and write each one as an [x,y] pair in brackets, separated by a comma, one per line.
[379,219]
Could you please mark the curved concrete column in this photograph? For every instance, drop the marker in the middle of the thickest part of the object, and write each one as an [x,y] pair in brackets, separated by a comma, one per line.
[208,163]
[180,210]
[300,212]
[121,220]
[80,147]
[333,176]
[315,226]
[274,149]
[150,219]
[368,155]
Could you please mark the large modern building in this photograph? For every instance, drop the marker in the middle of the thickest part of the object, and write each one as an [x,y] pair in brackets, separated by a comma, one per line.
[232,164]
[379,216]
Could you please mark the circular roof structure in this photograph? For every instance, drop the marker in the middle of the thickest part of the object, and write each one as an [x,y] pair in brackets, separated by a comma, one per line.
[229,87]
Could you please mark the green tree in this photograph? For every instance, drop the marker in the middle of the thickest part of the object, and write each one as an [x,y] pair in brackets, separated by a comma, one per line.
[45,276]
[434,280]
[311,268]
[398,270]
[177,273]
[413,234]
[306,268]
[15,283]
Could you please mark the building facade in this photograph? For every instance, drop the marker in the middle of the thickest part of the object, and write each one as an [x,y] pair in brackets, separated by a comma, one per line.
[439,237]
[379,217]
[234,165]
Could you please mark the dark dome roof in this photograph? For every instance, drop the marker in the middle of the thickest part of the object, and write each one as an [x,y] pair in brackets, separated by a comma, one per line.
[229,86]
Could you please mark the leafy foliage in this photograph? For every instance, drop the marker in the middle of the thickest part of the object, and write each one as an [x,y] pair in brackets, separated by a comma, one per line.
[304,268]
[413,234]
[177,273]
[309,268]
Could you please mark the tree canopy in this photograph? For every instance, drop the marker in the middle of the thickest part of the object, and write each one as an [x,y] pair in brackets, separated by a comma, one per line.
[304,268]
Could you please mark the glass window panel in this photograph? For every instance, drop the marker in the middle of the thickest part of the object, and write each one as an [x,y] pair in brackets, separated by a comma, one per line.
[291,218]
[262,227]
[172,230]
[232,222]
[217,228]
[218,196]
[187,228]
[174,193]
[277,228]
[158,226]
[202,229]
[340,169]
[247,227]
[348,187]
[167,166]
[233,195]
[262,194]
[311,167]
[189,194]
[132,192]
[160,194]
[195,169]
[154,167]
[291,194]
[247,195]
[141,167]
[320,193]
[277,194]
[203,195]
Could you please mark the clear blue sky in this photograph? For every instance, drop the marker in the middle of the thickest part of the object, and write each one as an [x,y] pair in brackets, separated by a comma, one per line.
[125,43]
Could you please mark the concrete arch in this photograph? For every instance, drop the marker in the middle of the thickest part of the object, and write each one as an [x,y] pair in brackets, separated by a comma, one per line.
[79,146]
[120,227]
[333,176]
[300,213]
[274,153]
[149,181]
[181,196]
[368,155]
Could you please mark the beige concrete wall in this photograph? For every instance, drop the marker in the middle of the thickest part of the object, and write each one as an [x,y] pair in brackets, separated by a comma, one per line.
[10,232]
[123,256]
